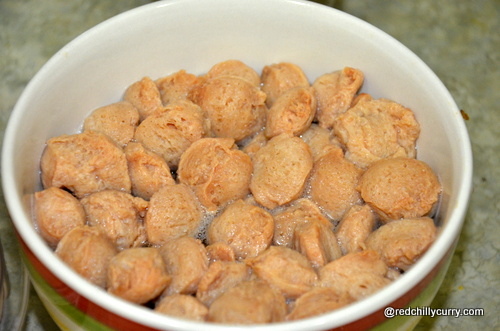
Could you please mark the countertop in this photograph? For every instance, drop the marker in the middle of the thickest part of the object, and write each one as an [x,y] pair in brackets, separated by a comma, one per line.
[459,40]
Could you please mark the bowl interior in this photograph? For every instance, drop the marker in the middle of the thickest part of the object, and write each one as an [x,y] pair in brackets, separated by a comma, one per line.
[166,36]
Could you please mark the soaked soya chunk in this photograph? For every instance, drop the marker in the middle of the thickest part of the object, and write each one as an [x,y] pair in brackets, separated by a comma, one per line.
[176,86]
[234,106]
[400,243]
[220,251]
[287,219]
[148,171]
[377,129]
[356,274]
[118,121]
[335,92]
[84,163]
[320,140]
[400,188]
[241,305]
[182,306]
[171,130]
[292,112]
[216,170]
[220,277]
[280,77]
[285,269]
[234,68]
[145,96]
[88,251]
[119,215]
[333,183]
[358,222]
[186,261]
[317,242]
[246,228]
[173,212]
[281,169]
[318,301]
[137,274]
[56,213]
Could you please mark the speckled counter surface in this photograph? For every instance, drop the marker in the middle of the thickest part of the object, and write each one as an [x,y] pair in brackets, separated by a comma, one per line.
[459,40]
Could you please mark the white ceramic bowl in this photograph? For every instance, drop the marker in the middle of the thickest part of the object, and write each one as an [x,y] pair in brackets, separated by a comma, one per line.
[157,39]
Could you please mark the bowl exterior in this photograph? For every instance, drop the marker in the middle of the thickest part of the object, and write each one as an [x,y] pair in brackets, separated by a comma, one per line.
[95,69]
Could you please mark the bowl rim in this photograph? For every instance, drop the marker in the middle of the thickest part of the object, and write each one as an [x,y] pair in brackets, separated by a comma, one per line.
[139,314]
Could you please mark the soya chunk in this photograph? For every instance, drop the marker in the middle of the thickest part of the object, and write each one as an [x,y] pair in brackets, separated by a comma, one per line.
[356,275]
[355,227]
[171,130]
[173,212]
[320,140]
[281,169]
[186,262]
[298,212]
[56,213]
[240,305]
[285,269]
[246,228]
[119,215]
[234,106]
[377,129]
[220,277]
[216,170]
[280,77]
[148,171]
[220,251]
[137,274]
[400,243]
[88,251]
[182,306]
[317,242]
[176,86]
[84,163]
[335,92]
[317,301]
[118,121]
[333,184]
[400,188]
[234,68]
[145,96]
[292,112]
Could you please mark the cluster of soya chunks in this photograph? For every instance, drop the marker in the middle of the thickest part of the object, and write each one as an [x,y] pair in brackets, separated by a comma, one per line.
[235,197]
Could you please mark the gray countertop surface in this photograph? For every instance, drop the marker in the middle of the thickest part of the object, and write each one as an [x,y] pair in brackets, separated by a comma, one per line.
[459,40]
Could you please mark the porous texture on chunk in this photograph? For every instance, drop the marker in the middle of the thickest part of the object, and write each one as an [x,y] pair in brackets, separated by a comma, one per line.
[56,213]
[117,120]
[356,275]
[119,215]
[220,277]
[285,269]
[400,188]
[84,163]
[358,222]
[281,169]
[377,129]
[234,68]
[216,170]
[182,306]
[234,106]
[401,243]
[145,96]
[173,212]
[320,140]
[240,305]
[171,130]
[88,251]
[186,262]
[317,301]
[176,86]
[246,228]
[317,242]
[333,184]
[278,78]
[291,113]
[137,274]
[335,92]
[148,171]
